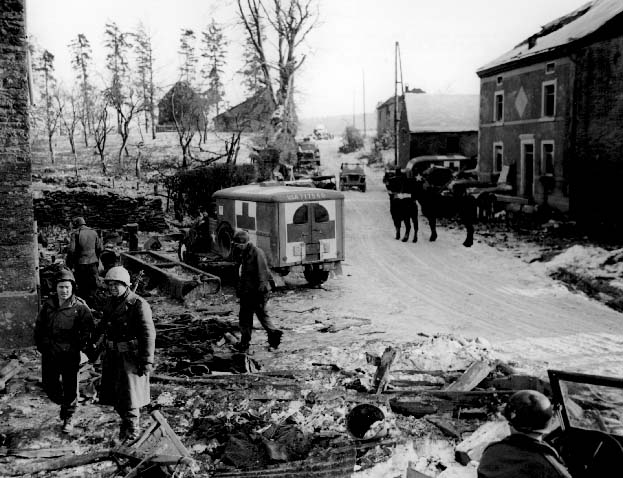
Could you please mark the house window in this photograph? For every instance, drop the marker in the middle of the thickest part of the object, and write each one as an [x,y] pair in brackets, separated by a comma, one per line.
[498,106]
[498,157]
[499,80]
[550,67]
[548,99]
[547,155]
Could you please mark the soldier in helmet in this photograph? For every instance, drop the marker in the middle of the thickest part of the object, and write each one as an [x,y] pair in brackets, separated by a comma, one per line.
[83,254]
[63,328]
[130,337]
[253,290]
[524,453]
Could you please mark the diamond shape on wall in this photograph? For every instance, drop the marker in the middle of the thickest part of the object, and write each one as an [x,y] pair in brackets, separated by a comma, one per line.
[521,101]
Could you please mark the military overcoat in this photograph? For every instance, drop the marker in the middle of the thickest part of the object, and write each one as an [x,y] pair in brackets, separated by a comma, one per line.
[130,338]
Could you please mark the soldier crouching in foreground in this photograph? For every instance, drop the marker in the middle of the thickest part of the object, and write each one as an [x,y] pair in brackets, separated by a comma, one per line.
[524,453]
[253,290]
[63,328]
[129,338]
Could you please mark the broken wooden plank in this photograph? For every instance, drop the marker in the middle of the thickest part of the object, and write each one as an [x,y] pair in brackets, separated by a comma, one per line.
[57,464]
[472,447]
[475,374]
[519,382]
[37,452]
[381,376]
[445,426]
[8,372]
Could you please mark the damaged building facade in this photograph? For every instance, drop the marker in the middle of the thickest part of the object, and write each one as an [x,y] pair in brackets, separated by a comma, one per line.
[551,109]
[18,256]
[437,124]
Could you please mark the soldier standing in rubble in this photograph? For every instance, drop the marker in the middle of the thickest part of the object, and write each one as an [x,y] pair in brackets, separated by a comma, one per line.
[63,328]
[253,290]
[524,453]
[129,339]
[85,247]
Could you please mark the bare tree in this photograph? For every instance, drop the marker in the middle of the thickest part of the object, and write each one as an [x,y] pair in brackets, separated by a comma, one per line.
[286,23]
[69,115]
[186,107]
[145,66]
[118,46]
[80,61]
[127,106]
[213,51]
[251,71]
[101,129]
[188,66]
[46,67]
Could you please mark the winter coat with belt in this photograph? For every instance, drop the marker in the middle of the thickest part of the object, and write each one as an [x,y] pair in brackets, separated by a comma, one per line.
[65,329]
[130,338]
[85,246]
[254,271]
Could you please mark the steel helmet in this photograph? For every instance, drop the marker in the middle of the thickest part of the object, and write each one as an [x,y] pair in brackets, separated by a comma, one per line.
[65,275]
[79,221]
[529,410]
[119,274]
[241,237]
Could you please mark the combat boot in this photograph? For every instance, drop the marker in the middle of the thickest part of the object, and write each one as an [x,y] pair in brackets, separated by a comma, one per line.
[274,339]
[68,425]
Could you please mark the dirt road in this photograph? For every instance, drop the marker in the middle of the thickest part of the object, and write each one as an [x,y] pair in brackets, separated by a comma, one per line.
[400,289]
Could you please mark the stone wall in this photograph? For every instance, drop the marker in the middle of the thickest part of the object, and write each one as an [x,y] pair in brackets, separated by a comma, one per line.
[18,287]
[100,210]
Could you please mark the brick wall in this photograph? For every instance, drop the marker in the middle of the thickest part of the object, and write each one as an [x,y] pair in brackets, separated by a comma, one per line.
[17,245]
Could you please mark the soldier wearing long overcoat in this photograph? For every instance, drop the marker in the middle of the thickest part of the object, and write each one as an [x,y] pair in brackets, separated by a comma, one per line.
[129,338]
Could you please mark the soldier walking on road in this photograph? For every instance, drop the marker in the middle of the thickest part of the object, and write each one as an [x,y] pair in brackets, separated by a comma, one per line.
[85,247]
[253,290]
[130,339]
[63,328]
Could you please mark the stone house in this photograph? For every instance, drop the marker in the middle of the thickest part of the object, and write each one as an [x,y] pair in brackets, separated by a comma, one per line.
[437,124]
[385,113]
[552,110]
[251,115]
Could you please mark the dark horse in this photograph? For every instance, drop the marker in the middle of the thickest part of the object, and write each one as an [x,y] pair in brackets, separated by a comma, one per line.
[430,189]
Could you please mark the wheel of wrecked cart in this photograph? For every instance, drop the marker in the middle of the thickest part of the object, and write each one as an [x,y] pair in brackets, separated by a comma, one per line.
[315,276]
[224,239]
[185,255]
[363,188]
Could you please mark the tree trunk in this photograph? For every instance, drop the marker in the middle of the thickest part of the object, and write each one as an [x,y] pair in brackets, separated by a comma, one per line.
[51,148]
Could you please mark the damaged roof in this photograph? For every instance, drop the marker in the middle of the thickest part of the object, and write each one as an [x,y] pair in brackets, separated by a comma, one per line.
[574,26]
[441,113]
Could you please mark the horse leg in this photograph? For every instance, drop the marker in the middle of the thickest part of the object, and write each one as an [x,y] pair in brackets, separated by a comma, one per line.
[414,219]
[407,229]
[432,222]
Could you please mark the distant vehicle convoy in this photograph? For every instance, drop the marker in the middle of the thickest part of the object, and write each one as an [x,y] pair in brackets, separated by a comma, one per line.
[299,228]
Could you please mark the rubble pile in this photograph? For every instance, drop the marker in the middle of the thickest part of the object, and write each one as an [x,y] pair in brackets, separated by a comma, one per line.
[102,210]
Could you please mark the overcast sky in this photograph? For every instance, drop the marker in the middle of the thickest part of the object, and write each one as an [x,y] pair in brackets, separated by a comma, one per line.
[442,42]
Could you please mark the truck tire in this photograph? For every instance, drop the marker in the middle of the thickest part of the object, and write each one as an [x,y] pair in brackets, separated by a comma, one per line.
[224,239]
[315,276]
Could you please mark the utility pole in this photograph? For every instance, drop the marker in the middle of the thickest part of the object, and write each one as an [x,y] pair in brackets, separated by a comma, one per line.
[354,124]
[363,78]
[397,62]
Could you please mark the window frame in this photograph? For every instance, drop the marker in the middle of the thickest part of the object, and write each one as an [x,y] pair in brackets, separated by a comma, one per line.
[544,86]
[544,143]
[550,67]
[494,168]
[496,95]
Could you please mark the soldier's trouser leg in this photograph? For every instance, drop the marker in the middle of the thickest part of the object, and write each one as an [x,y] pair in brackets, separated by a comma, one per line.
[69,374]
[86,279]
[130,422]
[245,319]
[51,378]
[274,334]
